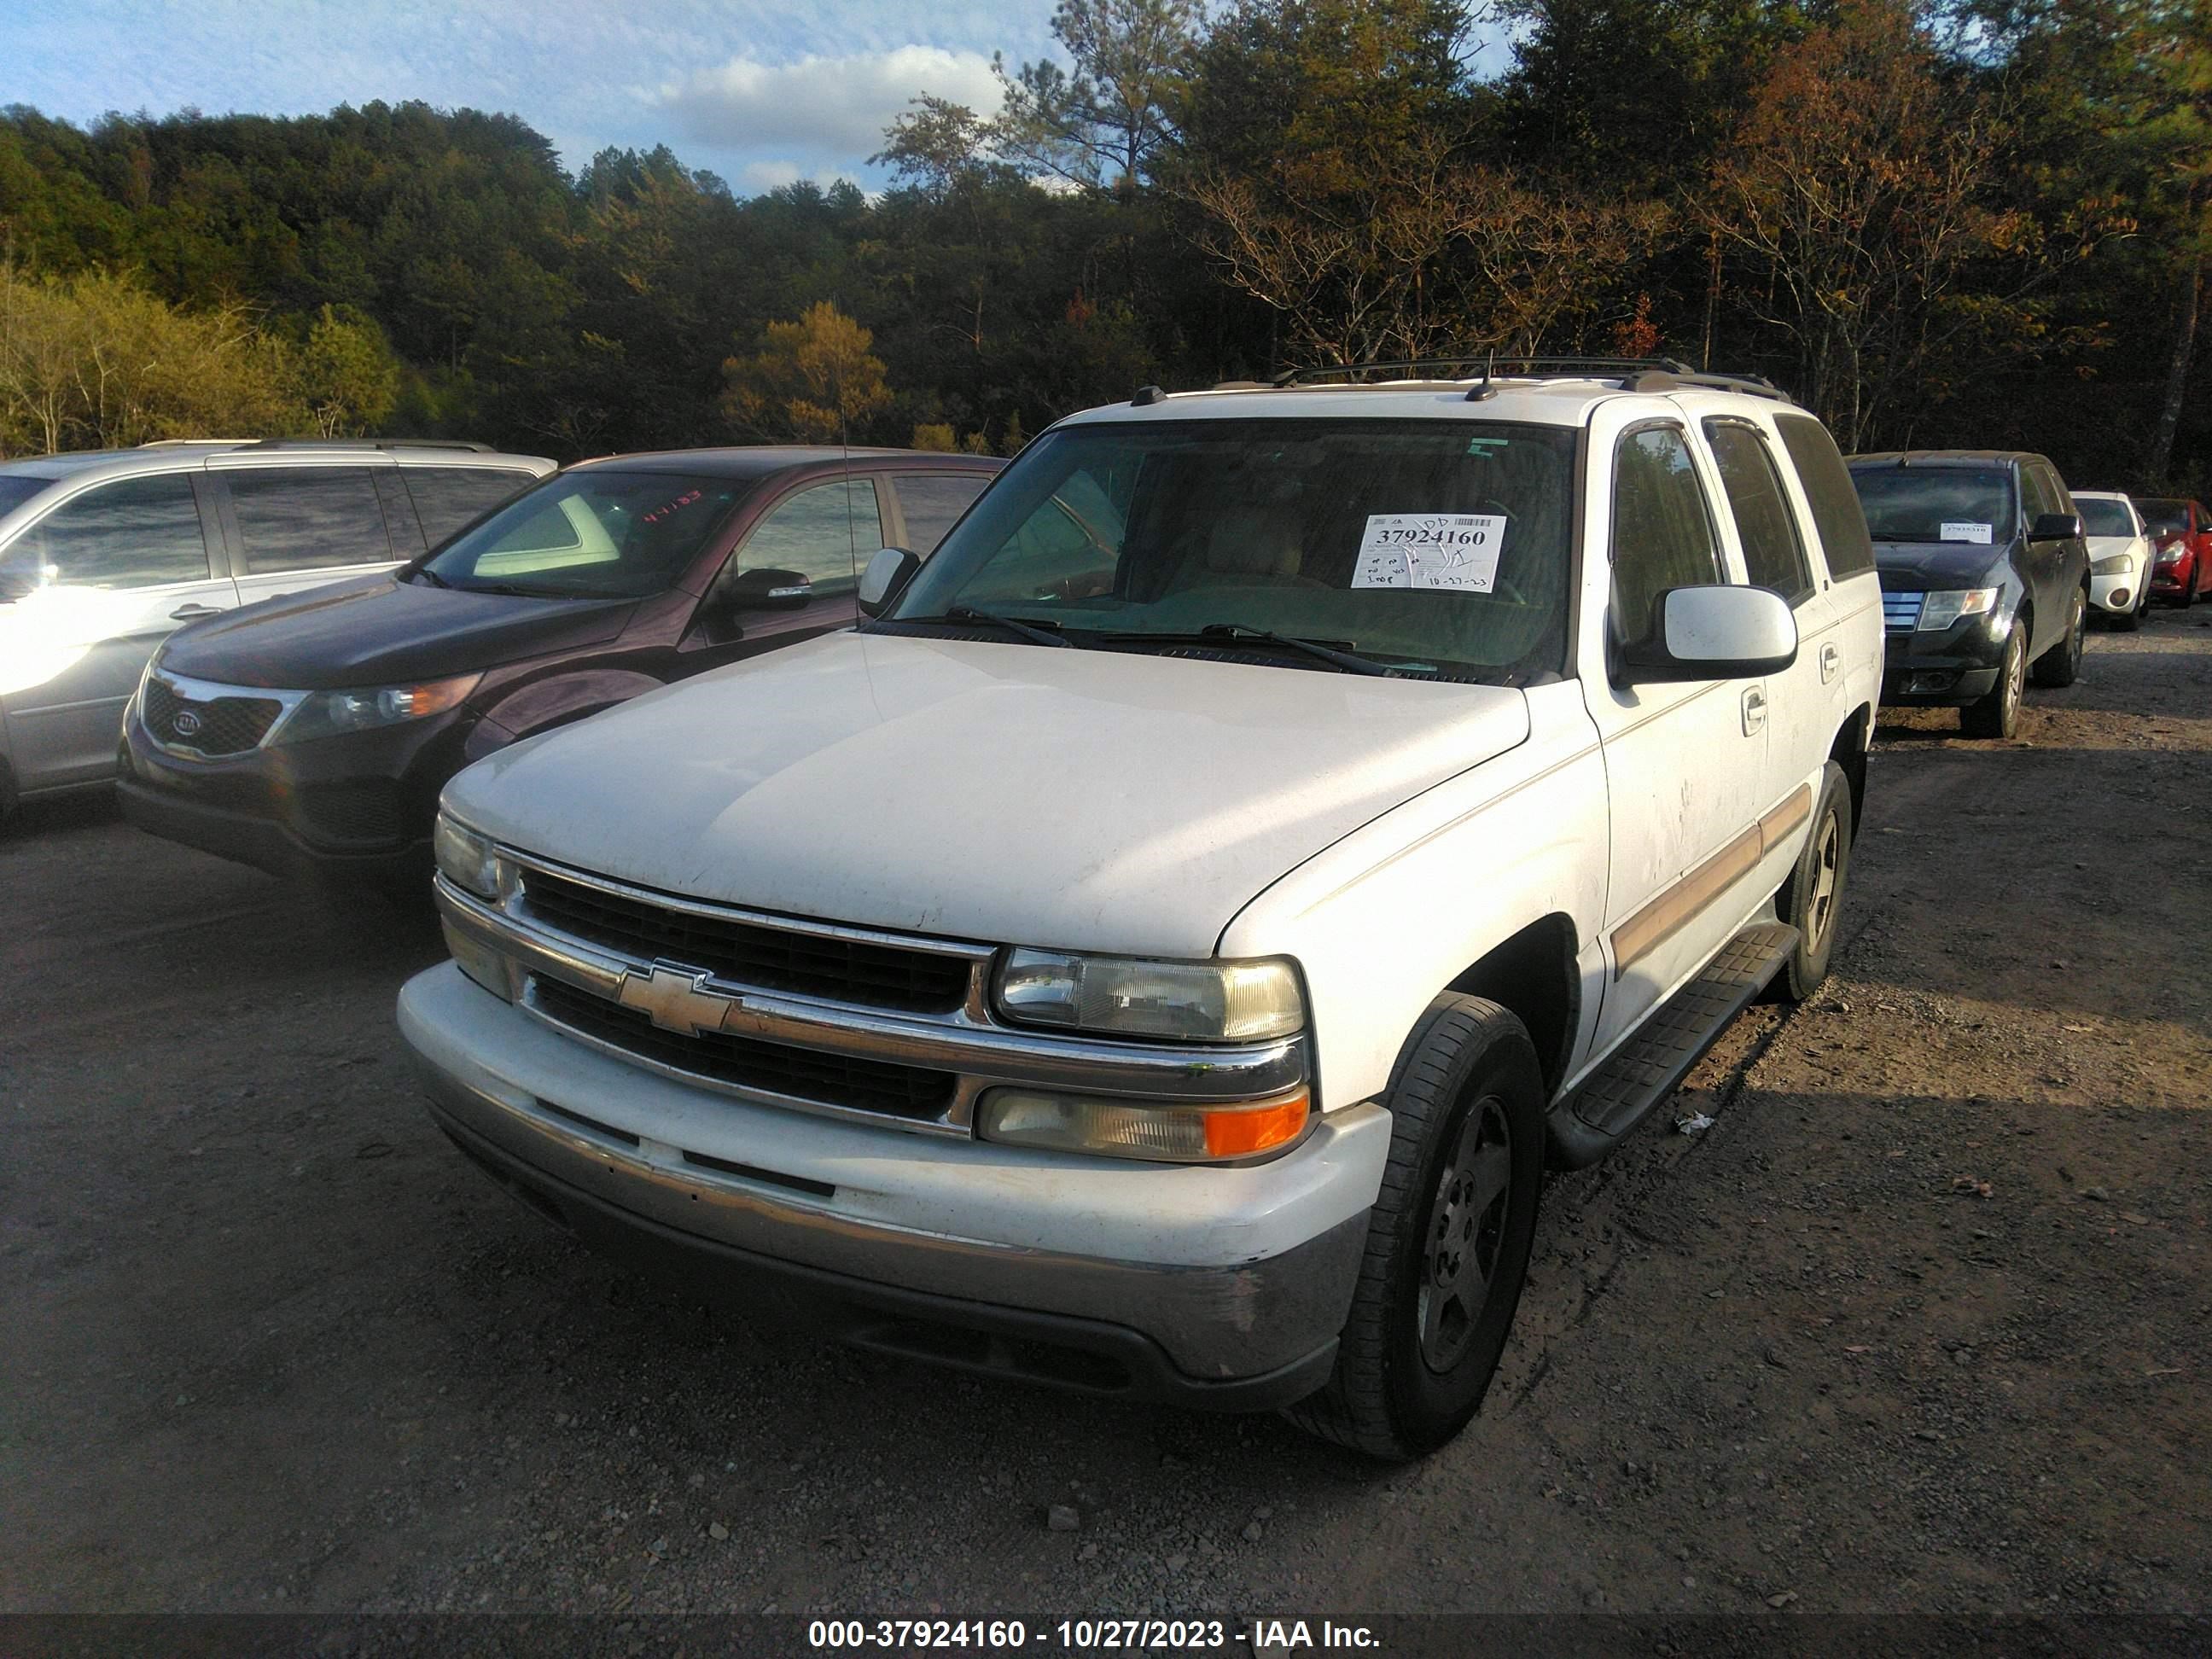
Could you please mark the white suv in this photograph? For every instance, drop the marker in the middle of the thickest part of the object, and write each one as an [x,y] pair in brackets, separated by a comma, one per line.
[1157,953]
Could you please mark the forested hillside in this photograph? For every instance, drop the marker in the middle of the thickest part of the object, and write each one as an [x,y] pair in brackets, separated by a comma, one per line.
[1981,226]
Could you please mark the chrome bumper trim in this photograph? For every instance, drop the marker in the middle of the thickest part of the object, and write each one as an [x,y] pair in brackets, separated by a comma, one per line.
[980,1053]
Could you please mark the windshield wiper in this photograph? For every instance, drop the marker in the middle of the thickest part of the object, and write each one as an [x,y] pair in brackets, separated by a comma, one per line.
[1350,662]
[1035,633]
[430,576]
[513,591]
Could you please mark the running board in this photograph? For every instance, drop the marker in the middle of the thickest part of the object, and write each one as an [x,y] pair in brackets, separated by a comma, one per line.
[1651,1065]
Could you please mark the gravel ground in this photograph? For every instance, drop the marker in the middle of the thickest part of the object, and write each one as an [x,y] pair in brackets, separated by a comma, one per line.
[1919,1325]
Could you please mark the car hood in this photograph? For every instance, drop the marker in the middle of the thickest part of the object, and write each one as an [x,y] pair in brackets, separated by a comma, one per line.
[1092,799]
[380,631]
[1907,565]
[2104,547]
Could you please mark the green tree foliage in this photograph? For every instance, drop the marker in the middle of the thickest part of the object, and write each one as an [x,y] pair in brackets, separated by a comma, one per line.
[345,374]
[96,362]
[1103,124]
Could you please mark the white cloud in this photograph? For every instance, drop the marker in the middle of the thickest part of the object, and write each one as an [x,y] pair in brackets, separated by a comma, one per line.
[831,106]
[763,176]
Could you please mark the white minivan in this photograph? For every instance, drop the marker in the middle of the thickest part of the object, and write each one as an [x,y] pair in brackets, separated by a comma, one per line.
[104,553]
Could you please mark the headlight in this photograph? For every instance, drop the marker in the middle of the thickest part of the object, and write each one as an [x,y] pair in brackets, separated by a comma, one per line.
[1945,606]
[466,858]
[1121,1128]
[2117,564]
[2170,554]
[1209,1001]
[326,713]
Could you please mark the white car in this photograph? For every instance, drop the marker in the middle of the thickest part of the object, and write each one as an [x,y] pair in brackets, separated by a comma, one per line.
[1159,952]
[2120,557]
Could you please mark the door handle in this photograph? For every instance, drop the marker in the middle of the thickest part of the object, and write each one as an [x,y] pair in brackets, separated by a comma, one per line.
[1832,660]
[1755,711]
[191,612]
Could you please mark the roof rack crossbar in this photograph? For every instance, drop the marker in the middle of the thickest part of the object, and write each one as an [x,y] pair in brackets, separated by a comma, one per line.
[1489,364]
[1755,386]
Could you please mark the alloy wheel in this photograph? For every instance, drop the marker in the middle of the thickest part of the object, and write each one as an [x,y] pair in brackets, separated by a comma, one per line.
[1466,1230]
[1828,858]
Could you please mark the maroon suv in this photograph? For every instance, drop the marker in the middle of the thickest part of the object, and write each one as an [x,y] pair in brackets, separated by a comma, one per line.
[312,733]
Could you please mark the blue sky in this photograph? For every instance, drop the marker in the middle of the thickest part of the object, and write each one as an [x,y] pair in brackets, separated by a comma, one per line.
[762,94]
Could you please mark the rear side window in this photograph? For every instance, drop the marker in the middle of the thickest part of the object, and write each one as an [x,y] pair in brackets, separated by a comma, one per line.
[447,497]
[1663,531]
[1772,553]
[824,533]
[308,518]
[134,532]
[933,500]
[1827,483]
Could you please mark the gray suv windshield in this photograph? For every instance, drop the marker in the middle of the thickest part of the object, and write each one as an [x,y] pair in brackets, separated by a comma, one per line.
[1426,546]
[589,535]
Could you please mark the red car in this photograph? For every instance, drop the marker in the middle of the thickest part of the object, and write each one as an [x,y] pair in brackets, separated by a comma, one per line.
[2181,533]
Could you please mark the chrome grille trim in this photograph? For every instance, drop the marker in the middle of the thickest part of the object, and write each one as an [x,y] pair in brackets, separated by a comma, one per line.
[1900,612]
[188,689]
[980,1051]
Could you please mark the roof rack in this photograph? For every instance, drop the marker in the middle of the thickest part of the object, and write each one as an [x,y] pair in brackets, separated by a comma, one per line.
[373,443]
[1634,374]
[191,443]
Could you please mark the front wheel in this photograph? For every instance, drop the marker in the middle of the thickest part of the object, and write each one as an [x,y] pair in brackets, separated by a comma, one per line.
[1996,714]
[1448,1239]
[2061,663]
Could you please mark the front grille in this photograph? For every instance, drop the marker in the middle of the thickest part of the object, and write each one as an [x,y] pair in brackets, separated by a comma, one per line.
[218,727]
[748,953]
[1900,612]
[353,813]
[867,1086]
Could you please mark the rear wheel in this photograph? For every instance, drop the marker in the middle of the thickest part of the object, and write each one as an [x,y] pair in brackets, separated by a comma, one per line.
[1998,714]
[1448,1240]
[2061,664]
[1812,898]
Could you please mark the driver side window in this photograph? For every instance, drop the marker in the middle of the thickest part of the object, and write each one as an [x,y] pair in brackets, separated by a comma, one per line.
[1662,527]
[825,533]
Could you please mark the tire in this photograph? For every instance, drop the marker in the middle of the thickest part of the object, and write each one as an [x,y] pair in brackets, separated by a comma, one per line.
[1998,714]
[1812,898]
[2061,664]
[1458,1199]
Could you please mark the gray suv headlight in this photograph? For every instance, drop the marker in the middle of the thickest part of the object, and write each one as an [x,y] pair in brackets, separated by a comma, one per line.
[1210,1001]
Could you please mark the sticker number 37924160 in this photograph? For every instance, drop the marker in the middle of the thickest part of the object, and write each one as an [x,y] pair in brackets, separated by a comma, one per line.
[1450,552]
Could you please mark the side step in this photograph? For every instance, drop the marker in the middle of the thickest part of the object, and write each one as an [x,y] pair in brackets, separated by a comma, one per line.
[1651,1065]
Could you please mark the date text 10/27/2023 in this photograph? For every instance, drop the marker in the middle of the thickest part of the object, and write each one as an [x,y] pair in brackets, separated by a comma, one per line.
[1258,1636]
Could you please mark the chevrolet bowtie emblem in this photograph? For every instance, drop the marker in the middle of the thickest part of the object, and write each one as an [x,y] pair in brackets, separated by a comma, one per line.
[676,998]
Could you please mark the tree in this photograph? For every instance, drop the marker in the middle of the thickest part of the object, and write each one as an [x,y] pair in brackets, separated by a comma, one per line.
[1858,186]
[1101,125]
[811,381]
[346,373]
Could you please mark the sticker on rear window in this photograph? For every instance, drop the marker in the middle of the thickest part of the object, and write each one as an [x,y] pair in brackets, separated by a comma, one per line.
[1450,552]
[1963,531]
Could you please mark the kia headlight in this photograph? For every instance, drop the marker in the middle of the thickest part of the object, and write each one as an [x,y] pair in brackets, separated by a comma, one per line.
[1209,1001]
[328,713]
[1946,605]
[2115,564]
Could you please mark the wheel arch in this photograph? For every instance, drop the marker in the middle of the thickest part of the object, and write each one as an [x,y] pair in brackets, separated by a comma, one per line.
[1533,976]
[1848,752]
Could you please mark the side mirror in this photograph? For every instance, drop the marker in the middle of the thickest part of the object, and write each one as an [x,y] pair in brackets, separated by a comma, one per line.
[768,590]
[886,578]
[1715,634]
[2054,527]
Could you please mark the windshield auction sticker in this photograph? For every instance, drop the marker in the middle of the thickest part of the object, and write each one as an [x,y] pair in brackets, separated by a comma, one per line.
[1961,530]
[1448,552]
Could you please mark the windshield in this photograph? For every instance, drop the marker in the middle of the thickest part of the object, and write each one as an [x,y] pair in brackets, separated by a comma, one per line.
[1936,503]
[590,535]
[14,491]
[2163,518]
[2105,518]
[1427,546]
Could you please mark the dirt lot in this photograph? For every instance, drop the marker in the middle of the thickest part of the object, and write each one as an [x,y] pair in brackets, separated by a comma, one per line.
[1923,1324]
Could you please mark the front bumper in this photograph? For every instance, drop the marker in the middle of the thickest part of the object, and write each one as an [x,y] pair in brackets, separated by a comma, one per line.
[2171,581]
[359,805]
[2117,594]
[1222,1286]
[1943,667]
